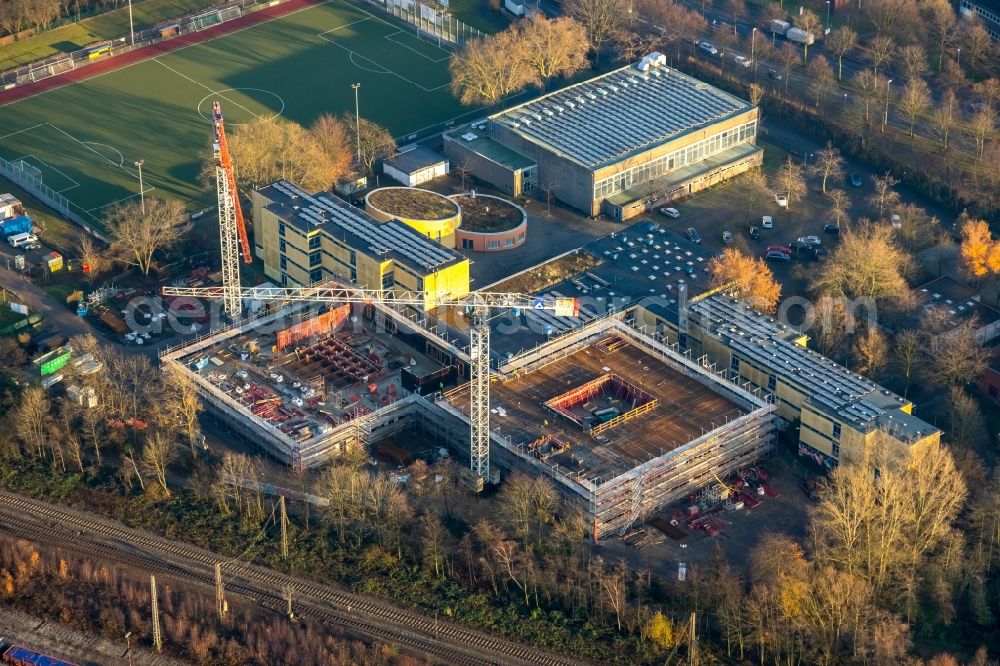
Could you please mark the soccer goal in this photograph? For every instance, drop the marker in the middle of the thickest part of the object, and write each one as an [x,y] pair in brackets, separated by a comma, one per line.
[29,171]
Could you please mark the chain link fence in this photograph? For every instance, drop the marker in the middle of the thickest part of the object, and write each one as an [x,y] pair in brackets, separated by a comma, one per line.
[432,21]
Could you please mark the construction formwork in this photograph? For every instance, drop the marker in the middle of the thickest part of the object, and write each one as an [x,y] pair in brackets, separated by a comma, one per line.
[614,503]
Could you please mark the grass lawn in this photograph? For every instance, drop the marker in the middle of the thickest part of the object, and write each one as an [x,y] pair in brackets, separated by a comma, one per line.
[85,137]
[74,36]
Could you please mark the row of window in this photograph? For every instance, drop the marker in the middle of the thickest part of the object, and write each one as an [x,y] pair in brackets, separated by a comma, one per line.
[675,160]
[772,380]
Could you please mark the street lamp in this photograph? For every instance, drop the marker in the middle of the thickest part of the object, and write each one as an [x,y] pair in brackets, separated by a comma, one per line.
[131,26]
[959,58]
[357,121]
[142,190]
[753,58]
[885,118]
[828,15]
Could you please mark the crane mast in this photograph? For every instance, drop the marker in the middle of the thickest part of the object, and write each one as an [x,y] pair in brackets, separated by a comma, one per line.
[232,229]
[479,302]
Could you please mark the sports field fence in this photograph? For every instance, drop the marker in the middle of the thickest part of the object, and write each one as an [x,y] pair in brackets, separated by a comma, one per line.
[30,178]
[430,20]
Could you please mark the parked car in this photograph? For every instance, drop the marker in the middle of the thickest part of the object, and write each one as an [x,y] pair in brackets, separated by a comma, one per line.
[856,180]
[779,248]
[775,255]
[831,228]
[812,241]
[767,222]
[727,237]
[781,200]
[670,212]
[708,48]
[896,221]
[754,233]
[774,74]
[693,235]
[742,60]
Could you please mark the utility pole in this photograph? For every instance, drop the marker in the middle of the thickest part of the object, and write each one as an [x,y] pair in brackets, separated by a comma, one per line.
[753,55]
[157,639]
[357,121]
[692,642]
[885,118]
[284,529]
[220,592]
[128,646]
[142,191]
[131,26]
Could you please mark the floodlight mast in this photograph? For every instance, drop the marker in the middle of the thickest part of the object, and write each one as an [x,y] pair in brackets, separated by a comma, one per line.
[479,302]
[232,229]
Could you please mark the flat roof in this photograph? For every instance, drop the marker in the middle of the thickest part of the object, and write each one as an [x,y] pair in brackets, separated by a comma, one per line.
[359,230]
[687,408]
[960,300]
[828,386]
[415,158]
[475,139]
[628,110]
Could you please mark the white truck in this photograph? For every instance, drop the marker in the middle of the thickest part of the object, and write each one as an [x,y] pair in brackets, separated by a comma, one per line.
[797,35]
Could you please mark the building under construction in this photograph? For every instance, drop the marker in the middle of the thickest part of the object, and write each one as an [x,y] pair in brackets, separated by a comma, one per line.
[622,423]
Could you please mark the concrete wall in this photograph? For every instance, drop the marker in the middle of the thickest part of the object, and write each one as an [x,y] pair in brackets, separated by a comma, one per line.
[497,175]
[496,242]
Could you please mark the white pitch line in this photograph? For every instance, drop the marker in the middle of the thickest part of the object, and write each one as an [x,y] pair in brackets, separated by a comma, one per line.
[26,129]
[422,55]
[387,69]
[346,25]
[117,201]
[177,50]
[103,157]
[199,83]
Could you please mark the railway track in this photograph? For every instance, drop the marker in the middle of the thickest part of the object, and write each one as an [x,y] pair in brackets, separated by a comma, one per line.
[363,616]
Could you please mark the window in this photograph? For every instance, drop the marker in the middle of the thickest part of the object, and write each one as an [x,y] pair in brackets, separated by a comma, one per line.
[836,431]
[354,258]
[772,382]
[315,259]
[388,280]
[520,236]
[467,244]
[493,244]
[283,262]
[507,242]
[314,242]
[282,246]
[836,450]
[682,340]
[316,275]
[281,230]
[734,363]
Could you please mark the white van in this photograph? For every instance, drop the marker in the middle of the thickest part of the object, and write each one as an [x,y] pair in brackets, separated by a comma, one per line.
[18,240]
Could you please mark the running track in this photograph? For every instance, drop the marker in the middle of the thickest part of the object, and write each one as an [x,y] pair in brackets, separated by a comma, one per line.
[117,62]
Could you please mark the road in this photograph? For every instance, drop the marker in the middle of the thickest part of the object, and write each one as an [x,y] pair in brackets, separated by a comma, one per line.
[365,617]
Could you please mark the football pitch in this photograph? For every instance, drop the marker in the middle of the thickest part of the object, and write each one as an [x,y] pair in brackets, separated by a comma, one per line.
[85,137]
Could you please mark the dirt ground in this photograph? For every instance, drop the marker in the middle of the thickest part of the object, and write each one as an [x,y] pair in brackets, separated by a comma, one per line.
[785,514]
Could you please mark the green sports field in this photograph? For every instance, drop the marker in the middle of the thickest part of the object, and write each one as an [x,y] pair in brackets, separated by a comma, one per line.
[85,137]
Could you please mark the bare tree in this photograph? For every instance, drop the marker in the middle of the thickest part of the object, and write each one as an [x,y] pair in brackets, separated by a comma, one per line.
[915,100]
[553,47]
[981,127]
[92,257]
[821,79]
[333,139]
[268,148]
[917,230]
[790,182]
[756,93]
[373,141]
[829,164]
[907,352]
[139,231]
[871,352]
[942,26]
[788,57]
[881,48]
[487,70]
[812,24]
[181,402]
[841,42]
[157,454]
[31,418]
[14,15]
[600,18]
[944,119]
[884,198]
[914,59]
[978,45]
[866,264]
[957,358]
[838,213]
[989,91]
[753,185]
